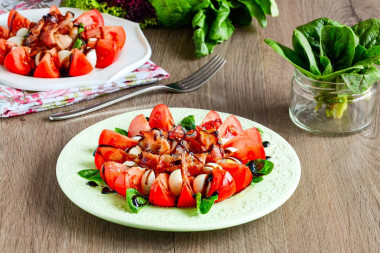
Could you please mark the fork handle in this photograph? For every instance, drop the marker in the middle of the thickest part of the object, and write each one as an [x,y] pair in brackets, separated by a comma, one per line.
[98,106]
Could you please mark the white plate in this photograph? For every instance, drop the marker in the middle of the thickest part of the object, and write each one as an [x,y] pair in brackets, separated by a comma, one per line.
[134,54]
[254,202]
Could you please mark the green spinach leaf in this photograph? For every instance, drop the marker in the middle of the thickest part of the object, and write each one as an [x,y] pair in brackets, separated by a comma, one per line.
[255,11]
[269,7]
[368,32]
[292,57]
[359,82]
[338,44]
[303,48]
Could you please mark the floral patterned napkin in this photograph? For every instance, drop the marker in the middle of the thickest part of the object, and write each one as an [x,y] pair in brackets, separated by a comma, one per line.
[14,102]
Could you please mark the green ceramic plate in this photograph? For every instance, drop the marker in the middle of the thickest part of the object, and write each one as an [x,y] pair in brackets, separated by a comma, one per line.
[254,202]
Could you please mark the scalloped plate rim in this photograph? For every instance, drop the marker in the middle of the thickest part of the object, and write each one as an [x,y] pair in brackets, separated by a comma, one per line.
[67,189]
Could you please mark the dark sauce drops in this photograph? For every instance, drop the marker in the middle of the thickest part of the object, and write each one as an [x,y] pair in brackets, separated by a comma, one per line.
[268,157]
[266,144]
[215,193]
[252,167]
[135,202]
[107,190]
[92,183]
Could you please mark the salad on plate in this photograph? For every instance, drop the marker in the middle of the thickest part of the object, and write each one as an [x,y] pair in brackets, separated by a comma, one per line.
[157,162]
[58,45]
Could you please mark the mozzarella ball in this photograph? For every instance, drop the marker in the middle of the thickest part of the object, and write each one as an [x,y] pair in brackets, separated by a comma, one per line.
[18,40]
[199,183]
[147,181]
[22,32]
[175,182]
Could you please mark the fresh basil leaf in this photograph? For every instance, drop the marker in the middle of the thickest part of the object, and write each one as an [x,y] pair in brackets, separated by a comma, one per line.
[292,57]
[368,32]
[269,7]
[254,10]
[361,81]
[91,174]
[204,204]
[257,179]
[303,48]
[259,129]
[136,201]
[188,123]
[121,131]
[261,166]
[338,43]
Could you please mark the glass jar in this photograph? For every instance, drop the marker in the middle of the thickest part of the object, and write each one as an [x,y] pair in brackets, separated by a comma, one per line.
[330,108]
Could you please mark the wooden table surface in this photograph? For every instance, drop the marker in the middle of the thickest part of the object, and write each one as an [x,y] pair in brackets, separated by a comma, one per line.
[336,207]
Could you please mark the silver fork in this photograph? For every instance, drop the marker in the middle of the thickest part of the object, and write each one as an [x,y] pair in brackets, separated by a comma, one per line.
[190,83]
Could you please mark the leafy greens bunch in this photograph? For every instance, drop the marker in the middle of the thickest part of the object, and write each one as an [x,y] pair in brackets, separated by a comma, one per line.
[212,20]
[326,50]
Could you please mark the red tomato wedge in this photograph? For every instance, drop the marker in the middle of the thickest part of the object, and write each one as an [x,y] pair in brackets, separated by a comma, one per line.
[248,144]
[17,21]
[212,121]
[110,171]
[90,19]
[55,9]
[4,33]
[223,184]
[4,50]
[79,64]
[161,118]
[48,67]
[230,128]
[105,154]
[111,138]
[130,178]
[19,61]
[138,124]
[160,194]
[186,198]
[240,173]
[106,53]
[113,33]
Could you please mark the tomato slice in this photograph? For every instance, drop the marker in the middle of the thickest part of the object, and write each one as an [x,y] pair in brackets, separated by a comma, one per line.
[17,21]
[4,33]
[138,124]
[48,67]
[161,118]
[230,128]
[186,198]
[106,53]
[240,173]
[160,194]
[110,171]
[130,178]
[79,64]
[4,50]
[113,33]
[212,121]
[19,61]
[55,9]
[248,144]
[105,154]
[222,183]
[90,19]
[111,138]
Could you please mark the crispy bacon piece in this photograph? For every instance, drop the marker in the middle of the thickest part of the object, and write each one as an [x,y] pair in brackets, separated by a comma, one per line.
[155,142]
